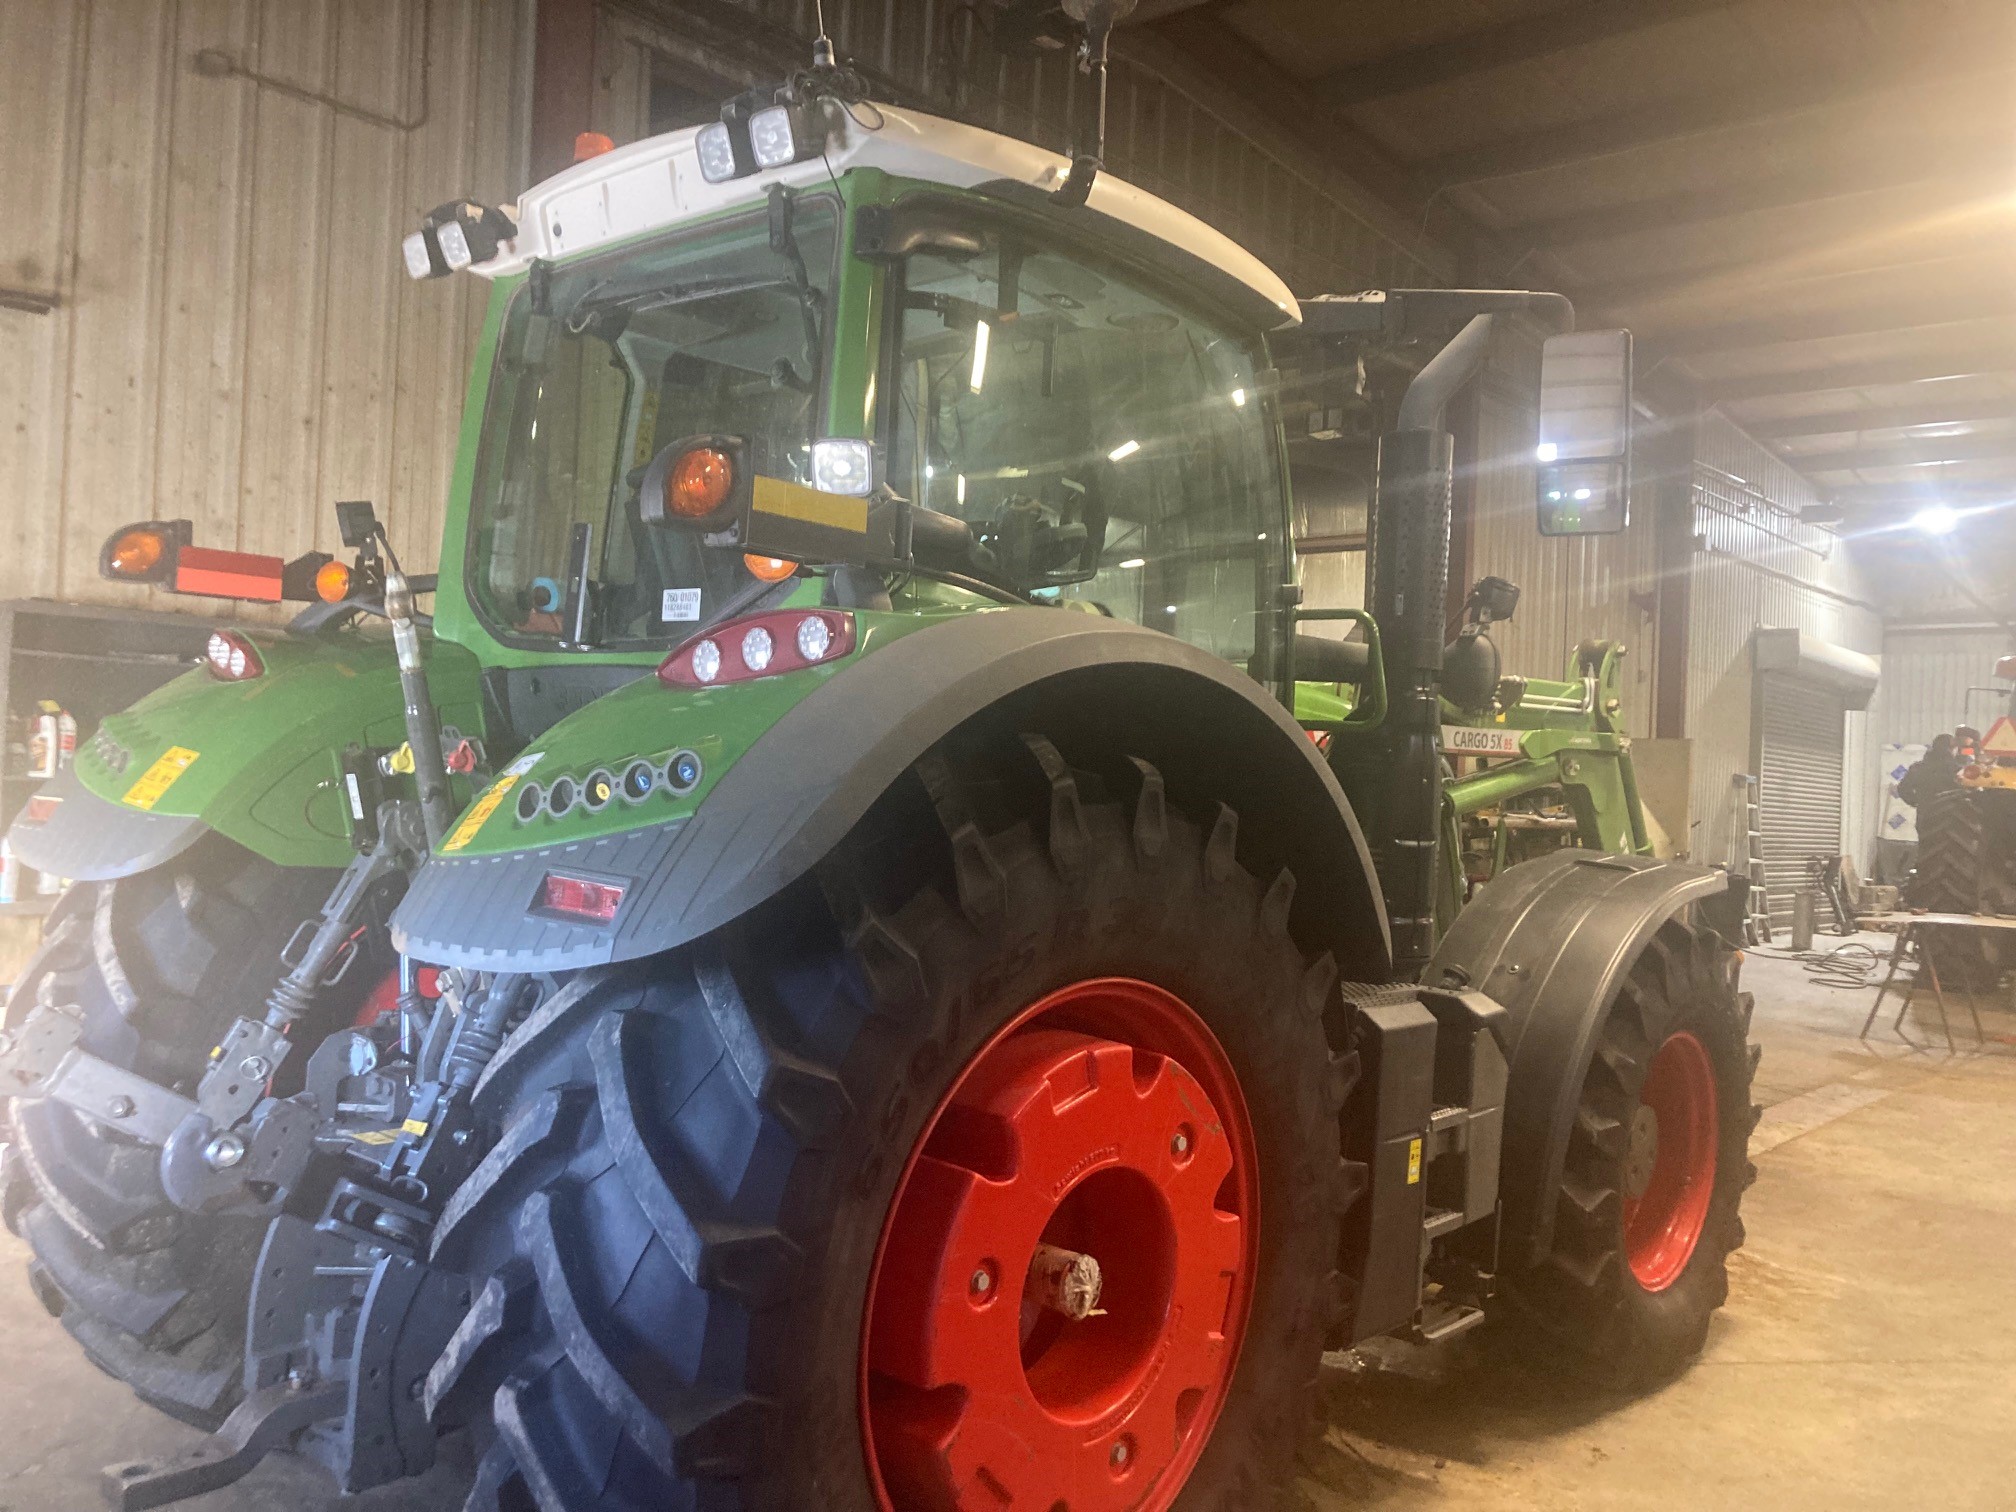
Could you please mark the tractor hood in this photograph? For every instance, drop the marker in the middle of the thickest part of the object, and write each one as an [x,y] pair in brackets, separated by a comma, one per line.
[257,759]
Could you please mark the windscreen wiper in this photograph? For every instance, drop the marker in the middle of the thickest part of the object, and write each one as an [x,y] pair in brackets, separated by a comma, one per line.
[587,306]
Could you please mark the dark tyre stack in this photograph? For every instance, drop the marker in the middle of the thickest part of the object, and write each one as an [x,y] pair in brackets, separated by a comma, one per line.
[1609,1300]
[160,964]
[673,1240]
[1967,864]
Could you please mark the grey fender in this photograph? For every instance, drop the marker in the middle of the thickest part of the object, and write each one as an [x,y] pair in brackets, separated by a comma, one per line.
[810,778]
[1552,940]
[90,839]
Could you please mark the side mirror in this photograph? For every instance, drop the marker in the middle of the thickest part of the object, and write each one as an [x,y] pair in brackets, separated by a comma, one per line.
[1584,473]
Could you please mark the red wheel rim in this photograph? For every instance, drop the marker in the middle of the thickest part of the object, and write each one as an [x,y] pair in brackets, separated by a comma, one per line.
[1670,1171]
[1104,1120]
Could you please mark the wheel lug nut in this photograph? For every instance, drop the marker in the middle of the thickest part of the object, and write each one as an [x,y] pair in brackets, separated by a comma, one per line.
[1179,1146]
[1120,1455]
[983,1281]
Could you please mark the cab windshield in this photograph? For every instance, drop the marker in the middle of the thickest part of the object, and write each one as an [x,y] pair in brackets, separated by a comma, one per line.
[613,360]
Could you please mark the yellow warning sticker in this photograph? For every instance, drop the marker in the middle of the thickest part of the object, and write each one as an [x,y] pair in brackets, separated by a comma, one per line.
[414,1126]
[1413,1162]
[160,777]
[794,501]
[485,807]
[374,1136]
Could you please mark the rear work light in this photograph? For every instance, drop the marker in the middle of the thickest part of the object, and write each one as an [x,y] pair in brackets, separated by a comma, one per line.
[231,657]
[579,898]
[760,645]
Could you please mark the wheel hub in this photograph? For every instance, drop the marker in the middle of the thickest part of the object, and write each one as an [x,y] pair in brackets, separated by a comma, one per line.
[1644,1156]
[1669,1172]
[1064,1275]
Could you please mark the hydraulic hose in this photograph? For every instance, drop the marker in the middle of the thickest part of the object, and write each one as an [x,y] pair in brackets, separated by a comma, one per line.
[423,730]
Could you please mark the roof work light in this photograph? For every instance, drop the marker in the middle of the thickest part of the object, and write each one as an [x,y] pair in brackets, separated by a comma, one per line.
[455,236]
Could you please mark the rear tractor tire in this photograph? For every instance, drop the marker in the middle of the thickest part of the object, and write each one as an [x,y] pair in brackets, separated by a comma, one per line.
[161,964]
[762,1225]
[1647,1213]
[1967,864]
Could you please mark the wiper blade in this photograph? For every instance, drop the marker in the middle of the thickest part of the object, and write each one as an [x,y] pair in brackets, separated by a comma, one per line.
[587,306]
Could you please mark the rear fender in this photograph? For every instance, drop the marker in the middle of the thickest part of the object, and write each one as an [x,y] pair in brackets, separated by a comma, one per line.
[257,760]
[811,776]
[1552,940]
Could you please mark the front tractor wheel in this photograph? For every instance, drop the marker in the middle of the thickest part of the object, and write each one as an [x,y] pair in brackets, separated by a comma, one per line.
[1647,1212]
[1020,1190]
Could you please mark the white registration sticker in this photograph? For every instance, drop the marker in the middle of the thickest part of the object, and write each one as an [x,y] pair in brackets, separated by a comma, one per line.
[681,606]
[1468,740]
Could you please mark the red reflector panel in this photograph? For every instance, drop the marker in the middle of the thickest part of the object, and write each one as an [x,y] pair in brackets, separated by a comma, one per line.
[579,898]
[40,809]
[228,574]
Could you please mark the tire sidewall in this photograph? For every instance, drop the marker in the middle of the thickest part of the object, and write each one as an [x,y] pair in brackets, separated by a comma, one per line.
[1669,1321]
[1162,922]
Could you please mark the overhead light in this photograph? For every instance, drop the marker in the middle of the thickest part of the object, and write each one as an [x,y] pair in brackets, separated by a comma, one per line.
[1936,520]
[1132,562]
[1123,451]
[959,489]
[1239,398]
[980,334]
[1547,451]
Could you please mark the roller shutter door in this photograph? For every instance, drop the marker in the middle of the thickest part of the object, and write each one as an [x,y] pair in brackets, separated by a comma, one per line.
[1799,784]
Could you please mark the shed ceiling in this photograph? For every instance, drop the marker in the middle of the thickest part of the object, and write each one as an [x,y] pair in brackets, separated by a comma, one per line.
[1805,209]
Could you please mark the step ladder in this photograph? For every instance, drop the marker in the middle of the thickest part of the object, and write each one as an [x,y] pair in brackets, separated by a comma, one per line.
[1746,858]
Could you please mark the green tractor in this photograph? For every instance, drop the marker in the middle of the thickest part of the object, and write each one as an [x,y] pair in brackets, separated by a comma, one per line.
[831,971]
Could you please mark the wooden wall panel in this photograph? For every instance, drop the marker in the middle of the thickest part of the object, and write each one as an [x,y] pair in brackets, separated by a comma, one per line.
[236,342]
[41,104]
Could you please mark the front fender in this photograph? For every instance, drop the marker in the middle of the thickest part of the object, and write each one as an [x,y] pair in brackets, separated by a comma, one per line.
[258,760]
[1552,941]
[803,783]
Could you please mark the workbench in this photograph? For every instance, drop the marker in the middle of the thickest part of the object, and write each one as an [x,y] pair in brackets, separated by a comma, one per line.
[1906,926]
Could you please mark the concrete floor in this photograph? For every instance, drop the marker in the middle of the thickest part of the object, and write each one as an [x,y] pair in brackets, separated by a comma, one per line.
[1866,1359]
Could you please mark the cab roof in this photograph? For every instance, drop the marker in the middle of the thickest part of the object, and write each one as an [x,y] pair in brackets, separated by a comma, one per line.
[656,183]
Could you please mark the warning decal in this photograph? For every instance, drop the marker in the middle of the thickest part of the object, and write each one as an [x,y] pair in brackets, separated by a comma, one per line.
[158,778]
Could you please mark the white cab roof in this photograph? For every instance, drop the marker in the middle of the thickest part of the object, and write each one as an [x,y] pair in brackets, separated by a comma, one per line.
[656,183]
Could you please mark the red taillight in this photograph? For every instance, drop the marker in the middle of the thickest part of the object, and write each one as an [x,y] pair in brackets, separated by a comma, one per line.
[760,645]
[231,657]
[579,898]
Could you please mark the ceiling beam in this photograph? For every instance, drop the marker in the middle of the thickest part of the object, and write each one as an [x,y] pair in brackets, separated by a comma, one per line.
[1889,372]
[1906,312]
[1704,113]
[1255,97]
[1499,46]
[1906,454]
[1785,191]
[1915,495]
[1884,417]
[1974,261]
[1161,10]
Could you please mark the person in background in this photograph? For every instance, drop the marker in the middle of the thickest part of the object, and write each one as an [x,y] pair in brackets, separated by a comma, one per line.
[1938,772]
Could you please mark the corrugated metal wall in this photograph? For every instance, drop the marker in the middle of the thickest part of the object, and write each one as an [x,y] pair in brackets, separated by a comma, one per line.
[1753,566]
[234,340]
[1572,588]
[1927,675]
